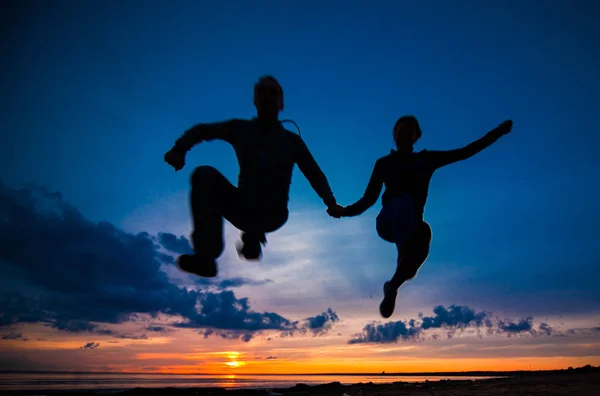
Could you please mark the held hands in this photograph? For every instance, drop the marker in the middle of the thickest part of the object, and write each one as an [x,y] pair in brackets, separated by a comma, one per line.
[336,211]
[175,158]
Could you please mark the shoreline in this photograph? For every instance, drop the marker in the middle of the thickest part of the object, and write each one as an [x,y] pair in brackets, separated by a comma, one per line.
[567,383]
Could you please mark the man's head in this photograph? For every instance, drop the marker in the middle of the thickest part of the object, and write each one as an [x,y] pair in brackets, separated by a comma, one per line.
[406,132]
[268,95]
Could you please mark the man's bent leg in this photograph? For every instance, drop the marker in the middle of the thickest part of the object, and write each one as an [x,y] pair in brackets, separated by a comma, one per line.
[254,226]
[211,195]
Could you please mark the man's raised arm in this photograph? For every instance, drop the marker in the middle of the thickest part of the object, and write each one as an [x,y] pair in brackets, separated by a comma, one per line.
[223,130]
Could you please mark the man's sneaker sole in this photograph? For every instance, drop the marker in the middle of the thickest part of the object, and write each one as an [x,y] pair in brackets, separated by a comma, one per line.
[192,265]
[249,253]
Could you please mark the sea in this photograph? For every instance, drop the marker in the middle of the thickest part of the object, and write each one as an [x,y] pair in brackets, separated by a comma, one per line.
[116,382]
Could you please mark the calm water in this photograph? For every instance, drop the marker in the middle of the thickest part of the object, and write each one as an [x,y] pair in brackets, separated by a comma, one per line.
[113,382]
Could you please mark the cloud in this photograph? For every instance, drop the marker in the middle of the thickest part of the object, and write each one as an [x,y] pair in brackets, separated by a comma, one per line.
[12,335]
[228,335]
[239,282]
[224,311]
[387,333]
[545,329]
[317,325]
[523,326]
[90,345]
[159,329]
[322,323]
[79,326]
[175,244]
[455,318]
[58,268]
[584,331]
[132,336]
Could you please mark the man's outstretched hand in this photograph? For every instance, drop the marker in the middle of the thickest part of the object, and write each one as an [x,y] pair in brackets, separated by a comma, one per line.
[175,158]
[336,211]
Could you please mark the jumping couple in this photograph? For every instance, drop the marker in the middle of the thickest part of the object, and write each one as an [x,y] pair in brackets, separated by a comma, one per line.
[267,153]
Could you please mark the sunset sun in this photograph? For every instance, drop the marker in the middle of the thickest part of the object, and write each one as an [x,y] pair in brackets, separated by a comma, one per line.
[233,364]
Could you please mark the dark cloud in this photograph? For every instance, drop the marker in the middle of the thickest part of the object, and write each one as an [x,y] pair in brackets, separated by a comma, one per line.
[90,345]
[584,331]
[523,326]
[175,244]
[223,311]
[322,323]
[159,329]
[271,358]
[239,282]
[545,329]
[317,325]
[58,268]
[228,335]
[11,335]
[79,326]
[456,316]
[387,333]
[453,319]
[132,336]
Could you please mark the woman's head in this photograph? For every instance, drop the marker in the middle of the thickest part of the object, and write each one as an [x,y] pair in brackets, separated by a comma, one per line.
[406,132]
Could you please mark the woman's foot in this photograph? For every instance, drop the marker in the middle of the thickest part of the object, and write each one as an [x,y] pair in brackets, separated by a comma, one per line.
[386,308]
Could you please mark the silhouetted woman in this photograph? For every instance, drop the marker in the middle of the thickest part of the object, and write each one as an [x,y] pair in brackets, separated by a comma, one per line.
[406,175]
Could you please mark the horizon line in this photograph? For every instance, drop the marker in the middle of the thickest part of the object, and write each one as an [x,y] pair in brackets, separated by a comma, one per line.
[380,374]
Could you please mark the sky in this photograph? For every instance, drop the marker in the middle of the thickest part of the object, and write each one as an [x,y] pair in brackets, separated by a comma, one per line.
[92,219]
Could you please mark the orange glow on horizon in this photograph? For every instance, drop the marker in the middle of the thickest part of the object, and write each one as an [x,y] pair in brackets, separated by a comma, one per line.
[375,367]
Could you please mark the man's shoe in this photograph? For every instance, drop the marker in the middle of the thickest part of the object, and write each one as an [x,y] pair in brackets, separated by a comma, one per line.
[251,248]
[196,265]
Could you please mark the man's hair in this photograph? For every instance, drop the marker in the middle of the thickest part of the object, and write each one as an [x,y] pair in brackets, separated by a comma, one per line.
[271,79]
[409,119]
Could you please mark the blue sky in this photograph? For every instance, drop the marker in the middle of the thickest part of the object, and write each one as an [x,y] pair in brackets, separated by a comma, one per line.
[98,91]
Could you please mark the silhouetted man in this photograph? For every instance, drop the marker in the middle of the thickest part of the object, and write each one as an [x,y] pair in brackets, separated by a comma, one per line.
[266,154]
[406,176]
